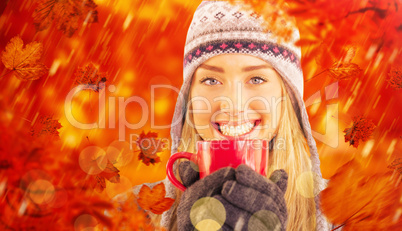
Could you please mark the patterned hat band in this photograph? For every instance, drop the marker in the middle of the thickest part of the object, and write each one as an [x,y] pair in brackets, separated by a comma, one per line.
[243,47]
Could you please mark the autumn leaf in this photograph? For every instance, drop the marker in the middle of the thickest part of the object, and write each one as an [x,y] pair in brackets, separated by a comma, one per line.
[396,165]
[359,200]
[90,77]
[276,19]
[395,78]
[149,147]
[154,200]
[46,125]
[340,71]
[110,173]
[361,129]
[127,215]
[68,15]
[24,61]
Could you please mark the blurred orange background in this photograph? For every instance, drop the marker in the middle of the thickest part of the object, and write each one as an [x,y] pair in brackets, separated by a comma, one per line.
[140,44]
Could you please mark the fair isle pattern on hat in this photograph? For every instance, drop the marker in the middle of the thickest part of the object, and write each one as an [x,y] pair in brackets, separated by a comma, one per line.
[219,27]
[231,46]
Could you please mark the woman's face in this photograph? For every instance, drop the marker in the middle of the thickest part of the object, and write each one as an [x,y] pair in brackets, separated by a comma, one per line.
[236,96]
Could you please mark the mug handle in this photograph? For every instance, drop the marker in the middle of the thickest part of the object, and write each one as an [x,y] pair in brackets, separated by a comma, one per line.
[169,168]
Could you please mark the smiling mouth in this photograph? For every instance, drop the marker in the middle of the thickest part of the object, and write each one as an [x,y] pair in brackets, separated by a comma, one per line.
[236,130]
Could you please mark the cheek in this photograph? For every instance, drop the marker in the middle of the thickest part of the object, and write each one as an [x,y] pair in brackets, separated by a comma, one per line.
[268,109]
[201,111]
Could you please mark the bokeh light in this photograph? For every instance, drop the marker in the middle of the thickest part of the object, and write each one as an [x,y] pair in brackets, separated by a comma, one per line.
[93,160]
[208,213]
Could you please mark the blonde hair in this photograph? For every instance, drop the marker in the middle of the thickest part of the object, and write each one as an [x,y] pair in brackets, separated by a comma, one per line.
[290,152]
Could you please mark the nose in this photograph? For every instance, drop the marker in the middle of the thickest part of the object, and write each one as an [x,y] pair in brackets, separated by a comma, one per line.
[232,101]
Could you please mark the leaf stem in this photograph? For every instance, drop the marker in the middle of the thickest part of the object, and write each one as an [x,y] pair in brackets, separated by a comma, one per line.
[6,73]
[316,75]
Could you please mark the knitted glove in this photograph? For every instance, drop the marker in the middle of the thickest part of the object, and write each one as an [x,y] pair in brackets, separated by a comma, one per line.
[253,202]
[209,186]
[187,173]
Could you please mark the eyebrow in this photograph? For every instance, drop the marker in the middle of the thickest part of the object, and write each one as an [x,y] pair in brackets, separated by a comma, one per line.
[212,68]
[253,68]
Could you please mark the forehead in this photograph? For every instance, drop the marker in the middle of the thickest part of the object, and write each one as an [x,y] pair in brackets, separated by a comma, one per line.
[235,60]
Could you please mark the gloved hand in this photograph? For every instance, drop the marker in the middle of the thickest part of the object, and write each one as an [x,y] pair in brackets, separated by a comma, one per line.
[253,202]
[209,186]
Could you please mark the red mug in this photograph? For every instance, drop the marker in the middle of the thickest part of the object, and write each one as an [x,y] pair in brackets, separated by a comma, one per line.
[217,154]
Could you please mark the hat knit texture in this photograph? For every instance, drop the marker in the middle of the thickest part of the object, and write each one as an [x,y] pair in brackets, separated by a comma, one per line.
[218,27]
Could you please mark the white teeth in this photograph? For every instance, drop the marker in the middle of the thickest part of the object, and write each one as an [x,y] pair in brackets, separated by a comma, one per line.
[236,130]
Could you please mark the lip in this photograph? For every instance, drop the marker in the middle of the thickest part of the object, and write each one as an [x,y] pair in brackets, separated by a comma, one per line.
[235,123]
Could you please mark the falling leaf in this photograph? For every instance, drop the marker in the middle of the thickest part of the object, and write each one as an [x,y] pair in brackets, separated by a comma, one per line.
[24,61]
[67,14]
[46,125]
[127,215]
[344,70]
[149,147]
[396,165]
[110,173]
[395,78]
[361,200]
[336,61]
[91,77]
[154,200]
[361,129]
[276,19]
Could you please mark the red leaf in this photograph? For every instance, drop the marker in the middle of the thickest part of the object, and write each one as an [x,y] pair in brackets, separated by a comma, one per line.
[46,126]
[149,147]
[395,78]
[68,15]
[361,129]
[91,77]
[98,181]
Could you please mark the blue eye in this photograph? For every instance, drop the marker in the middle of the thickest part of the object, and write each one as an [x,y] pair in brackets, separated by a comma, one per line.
[257,80]
[210,81]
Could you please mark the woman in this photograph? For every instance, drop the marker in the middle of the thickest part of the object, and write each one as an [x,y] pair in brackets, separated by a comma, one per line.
[239,81]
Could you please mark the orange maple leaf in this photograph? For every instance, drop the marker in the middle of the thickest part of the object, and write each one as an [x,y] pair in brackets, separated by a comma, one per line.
[46,125]
[110,173]
[24,61]
[149,147]
[154,200]
[91,77]
[359,200]
[68,15]
[395,78]
[361,129]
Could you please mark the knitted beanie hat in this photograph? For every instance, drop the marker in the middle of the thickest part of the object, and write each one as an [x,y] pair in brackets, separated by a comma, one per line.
[218,27]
